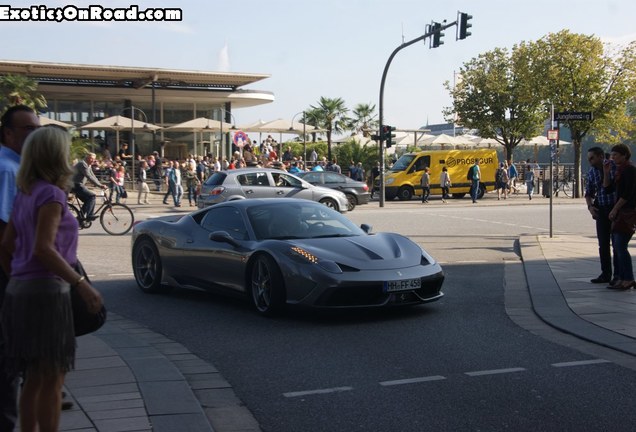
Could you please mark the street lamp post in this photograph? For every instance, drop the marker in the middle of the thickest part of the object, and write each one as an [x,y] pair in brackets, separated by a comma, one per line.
[304,134]
[132,137]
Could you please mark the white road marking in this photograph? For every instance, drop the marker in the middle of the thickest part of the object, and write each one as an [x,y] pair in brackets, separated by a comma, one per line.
[431,378]
[412,380]
[494,371]
[318,391]
[580,363]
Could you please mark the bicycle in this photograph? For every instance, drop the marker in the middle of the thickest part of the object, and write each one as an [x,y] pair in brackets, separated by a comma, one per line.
[563,186]
[115,218]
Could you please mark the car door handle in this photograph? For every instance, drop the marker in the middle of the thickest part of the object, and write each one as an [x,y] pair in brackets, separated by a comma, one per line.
[249,191]
[280,192]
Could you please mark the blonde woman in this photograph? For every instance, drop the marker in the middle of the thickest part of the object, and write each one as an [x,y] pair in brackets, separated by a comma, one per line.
[39,249]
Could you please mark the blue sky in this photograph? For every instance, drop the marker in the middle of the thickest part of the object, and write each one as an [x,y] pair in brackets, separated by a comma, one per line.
[331,48]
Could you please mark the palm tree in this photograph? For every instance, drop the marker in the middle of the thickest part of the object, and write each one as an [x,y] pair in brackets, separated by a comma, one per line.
[20,90]
[313,117]
[364,119]
[332,117]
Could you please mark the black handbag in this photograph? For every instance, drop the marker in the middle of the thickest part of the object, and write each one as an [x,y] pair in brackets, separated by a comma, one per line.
[84,321]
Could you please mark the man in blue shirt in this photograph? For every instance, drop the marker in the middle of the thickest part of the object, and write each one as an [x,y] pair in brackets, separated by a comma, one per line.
[17,123]
[599,204]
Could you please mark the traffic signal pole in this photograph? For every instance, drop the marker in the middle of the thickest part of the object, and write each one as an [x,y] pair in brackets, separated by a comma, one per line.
[381,148]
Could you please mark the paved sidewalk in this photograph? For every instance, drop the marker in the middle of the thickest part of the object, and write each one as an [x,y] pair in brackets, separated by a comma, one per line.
[558,272]
[128,378]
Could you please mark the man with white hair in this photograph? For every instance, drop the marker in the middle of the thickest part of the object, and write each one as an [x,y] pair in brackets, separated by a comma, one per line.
[84,172]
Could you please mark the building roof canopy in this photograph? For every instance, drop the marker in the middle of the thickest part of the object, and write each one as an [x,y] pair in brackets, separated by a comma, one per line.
[128,76]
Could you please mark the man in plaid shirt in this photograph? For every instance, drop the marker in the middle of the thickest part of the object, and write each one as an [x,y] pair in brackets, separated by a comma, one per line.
[599,204]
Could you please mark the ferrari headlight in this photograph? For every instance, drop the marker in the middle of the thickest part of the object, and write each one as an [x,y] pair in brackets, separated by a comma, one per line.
[302,253]
[310,258]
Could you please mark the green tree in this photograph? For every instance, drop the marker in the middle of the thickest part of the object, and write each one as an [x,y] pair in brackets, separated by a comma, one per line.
[364,120]
[20,90]
[495,96]
[354,151]
[577,72]
[330,115]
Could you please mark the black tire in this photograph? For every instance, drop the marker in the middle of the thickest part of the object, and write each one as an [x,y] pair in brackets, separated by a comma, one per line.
[405,193]
[267,289]
[481,191]
[147,267]
[117,219]
[330,203]
[351,202]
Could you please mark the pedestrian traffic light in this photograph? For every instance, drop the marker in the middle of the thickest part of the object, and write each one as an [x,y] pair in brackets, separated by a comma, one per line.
[436,28]
[464,25]
[387,135]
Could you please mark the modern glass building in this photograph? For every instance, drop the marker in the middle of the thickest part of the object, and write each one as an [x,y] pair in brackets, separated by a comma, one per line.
[81,94]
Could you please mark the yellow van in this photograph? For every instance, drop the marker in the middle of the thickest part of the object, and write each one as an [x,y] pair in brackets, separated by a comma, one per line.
[403,179]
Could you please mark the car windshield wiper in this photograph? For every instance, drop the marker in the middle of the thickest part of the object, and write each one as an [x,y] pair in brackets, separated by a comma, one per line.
[334,235]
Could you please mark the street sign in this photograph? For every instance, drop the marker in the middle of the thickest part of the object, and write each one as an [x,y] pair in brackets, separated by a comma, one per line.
[553,134]
[573,116]
[240,138]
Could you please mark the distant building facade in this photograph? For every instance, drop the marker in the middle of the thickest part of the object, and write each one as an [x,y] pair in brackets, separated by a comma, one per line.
[80,94]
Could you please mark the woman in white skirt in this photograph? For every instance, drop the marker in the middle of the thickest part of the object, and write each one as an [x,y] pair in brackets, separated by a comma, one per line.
[39,249]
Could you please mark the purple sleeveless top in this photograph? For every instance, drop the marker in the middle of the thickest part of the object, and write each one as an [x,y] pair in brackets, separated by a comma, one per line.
[25,217]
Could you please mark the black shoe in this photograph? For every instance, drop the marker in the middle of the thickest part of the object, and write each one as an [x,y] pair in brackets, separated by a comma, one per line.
[602,279]
[67,405]
[165,202]
[92,217]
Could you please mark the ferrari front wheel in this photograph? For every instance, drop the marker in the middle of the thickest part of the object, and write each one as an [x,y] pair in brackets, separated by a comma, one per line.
[266,286]
[147,267]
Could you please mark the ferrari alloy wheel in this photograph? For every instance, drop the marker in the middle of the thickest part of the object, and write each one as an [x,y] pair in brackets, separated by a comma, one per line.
[268,292]
[147,266]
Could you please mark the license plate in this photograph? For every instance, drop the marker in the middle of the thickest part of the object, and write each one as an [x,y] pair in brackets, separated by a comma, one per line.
[402,285]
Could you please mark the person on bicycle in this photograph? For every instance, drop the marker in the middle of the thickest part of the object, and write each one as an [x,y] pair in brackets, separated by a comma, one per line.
[82,173]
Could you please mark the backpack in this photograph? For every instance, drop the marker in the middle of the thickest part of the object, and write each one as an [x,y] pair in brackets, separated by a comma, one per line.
[499,175]
[471,171]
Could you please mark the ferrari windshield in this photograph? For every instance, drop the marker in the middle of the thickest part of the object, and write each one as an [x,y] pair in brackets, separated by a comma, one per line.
[299,221]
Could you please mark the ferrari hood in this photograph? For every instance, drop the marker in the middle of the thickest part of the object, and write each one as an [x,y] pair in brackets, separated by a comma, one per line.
[368,252]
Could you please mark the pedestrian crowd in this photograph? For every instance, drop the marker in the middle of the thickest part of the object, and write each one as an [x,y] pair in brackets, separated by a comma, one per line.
[182,178]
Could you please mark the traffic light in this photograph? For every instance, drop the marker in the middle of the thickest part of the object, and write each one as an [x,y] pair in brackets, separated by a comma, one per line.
[388,135]
[464,25]
[436,28]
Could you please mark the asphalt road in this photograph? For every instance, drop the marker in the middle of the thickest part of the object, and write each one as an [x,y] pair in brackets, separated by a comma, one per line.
[457,364]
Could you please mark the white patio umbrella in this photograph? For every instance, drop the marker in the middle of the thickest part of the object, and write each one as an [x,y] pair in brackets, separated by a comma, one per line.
[119,123]
[539,140]
[441,139]
[282,126]
[415,139]
[45,121]
[201,124]
[252,127]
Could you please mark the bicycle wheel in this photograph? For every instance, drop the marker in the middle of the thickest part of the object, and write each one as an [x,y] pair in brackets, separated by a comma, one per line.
[77,214]
[566,187]
[116,219]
